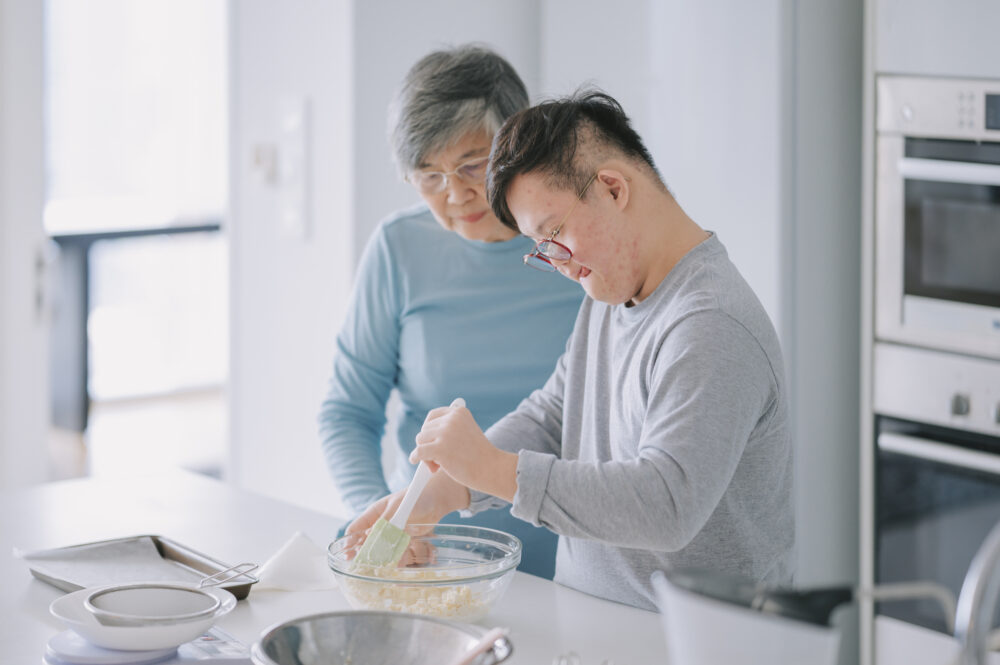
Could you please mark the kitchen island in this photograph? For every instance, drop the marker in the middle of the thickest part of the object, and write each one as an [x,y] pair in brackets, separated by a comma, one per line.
[234,525]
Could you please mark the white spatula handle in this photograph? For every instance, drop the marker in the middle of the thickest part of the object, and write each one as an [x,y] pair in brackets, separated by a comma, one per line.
[420,478]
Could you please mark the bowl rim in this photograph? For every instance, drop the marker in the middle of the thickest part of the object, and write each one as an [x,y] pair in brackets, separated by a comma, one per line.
[257,653]
[111,617]
[69,609]
[504,565]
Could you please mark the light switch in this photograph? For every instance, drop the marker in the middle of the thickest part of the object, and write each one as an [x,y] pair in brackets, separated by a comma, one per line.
[293,168]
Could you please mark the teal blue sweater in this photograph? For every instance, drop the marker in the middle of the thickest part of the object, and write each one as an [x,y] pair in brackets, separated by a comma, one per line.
[437,317]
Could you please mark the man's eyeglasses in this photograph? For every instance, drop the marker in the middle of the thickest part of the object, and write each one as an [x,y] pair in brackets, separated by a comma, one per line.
[435,182]
[548,250]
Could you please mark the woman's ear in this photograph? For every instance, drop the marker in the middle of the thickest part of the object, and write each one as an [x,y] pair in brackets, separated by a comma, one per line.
[617,185]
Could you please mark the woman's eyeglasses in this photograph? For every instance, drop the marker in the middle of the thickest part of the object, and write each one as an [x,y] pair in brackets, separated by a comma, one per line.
[435,182]
[548,250]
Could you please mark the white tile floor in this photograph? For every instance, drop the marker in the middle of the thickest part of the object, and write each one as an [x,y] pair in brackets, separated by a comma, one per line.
[187,430]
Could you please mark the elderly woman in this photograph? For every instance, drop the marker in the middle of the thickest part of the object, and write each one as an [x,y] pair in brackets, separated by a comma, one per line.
[442,302]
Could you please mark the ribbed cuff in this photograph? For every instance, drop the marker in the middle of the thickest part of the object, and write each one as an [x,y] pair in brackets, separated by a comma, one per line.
[480,501]
[533,470]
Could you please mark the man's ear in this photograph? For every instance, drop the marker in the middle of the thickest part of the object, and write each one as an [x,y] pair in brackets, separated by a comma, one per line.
[617,184]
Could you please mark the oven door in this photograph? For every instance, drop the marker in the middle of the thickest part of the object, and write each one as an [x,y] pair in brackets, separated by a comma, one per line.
[937,497]
[938,243]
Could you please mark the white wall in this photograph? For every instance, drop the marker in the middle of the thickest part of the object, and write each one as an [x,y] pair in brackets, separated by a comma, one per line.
[289,294]
[23,320]
[931,38]
[389,37]
[586,42]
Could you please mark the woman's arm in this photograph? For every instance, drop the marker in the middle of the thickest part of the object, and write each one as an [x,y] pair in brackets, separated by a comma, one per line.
[352,416]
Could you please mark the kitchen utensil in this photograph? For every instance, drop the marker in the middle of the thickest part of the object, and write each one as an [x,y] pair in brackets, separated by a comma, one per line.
[71,611]
[460,571]
[486,643]
[129,560]
[372,637]
[711,618]
[388,539]
[213,647]
[147,603]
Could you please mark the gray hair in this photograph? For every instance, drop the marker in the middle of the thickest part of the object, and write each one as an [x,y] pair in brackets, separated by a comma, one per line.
[448,94]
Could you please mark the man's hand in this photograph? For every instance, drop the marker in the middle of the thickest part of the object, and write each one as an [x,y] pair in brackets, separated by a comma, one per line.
[441,496]
[451,439]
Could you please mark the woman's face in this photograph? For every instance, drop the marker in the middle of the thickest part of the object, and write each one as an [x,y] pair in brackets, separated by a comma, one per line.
[461,206]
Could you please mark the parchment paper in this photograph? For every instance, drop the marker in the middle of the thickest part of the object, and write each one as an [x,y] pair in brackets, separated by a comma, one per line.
[115,562]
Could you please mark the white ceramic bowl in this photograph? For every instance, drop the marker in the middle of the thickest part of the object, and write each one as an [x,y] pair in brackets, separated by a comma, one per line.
[145,604]
[70,609]
[452,571]
[693,624]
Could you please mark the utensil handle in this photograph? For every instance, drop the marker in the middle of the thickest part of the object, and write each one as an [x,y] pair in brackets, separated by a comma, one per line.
[482,646]
[420,478]
[230,573]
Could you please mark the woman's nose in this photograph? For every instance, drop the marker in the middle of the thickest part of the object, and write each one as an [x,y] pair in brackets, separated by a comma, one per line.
[459,191]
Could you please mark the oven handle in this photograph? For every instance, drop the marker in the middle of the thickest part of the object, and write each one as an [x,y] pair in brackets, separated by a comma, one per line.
[941,171]
[935,451]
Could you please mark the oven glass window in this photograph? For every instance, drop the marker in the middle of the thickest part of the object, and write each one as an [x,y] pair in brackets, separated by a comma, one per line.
[931,520]
[953,229]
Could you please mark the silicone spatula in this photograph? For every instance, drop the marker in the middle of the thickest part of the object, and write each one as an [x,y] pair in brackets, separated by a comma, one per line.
[388,539]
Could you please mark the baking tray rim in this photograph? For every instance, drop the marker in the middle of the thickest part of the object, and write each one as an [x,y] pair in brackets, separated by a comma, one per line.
[239,587]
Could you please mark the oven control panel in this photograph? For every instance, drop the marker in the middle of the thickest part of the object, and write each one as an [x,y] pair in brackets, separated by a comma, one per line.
[944,389]
[938,107]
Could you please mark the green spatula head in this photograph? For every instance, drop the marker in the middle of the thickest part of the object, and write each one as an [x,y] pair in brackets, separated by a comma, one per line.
[384,546]
[388,539]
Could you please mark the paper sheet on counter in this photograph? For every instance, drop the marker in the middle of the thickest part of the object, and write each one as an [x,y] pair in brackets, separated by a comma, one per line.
[299,565]
[113,562]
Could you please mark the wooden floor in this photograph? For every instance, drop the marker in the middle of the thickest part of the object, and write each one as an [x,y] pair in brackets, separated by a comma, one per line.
[187,430]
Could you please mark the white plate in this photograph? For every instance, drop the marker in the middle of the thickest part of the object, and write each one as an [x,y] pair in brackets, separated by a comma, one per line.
[71,611]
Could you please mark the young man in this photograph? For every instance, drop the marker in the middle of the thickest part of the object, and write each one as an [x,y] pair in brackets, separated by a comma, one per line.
[662,437]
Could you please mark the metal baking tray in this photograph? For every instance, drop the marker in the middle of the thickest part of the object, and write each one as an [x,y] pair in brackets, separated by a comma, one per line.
[169,550]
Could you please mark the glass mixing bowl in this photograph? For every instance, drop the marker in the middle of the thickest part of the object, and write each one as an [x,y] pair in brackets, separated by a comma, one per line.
[452,571]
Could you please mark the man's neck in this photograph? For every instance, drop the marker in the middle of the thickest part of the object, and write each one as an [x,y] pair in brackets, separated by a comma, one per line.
[669,234]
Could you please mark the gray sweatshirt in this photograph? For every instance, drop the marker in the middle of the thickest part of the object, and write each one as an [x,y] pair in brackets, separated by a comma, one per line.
[661,439]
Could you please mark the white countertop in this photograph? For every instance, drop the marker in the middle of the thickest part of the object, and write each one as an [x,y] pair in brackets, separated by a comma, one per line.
[234,525]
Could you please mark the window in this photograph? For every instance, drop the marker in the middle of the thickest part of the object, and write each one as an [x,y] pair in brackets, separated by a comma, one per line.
[136,127]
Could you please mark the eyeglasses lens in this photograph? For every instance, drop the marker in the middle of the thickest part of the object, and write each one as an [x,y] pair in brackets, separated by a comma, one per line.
[435,182]
[553,250]
[538,262]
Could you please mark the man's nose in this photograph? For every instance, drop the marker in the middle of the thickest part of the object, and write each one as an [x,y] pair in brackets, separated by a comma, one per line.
[563,266]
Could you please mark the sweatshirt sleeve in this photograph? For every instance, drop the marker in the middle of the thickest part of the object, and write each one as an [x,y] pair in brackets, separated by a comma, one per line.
[708,387]
[536,425]
[352,416]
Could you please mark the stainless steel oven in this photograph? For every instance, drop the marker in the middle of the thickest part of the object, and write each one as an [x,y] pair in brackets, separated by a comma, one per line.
[938,497]
[937,225]
[936,354]
[937,469]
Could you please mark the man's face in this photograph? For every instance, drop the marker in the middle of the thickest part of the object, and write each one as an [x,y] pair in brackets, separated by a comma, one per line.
[605,258]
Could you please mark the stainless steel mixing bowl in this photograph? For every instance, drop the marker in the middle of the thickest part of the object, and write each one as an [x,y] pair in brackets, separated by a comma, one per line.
[372,638]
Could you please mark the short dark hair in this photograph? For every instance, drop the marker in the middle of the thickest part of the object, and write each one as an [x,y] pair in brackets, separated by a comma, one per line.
[544,139]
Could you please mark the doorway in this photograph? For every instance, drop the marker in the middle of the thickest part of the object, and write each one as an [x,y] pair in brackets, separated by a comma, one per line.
[135,206]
